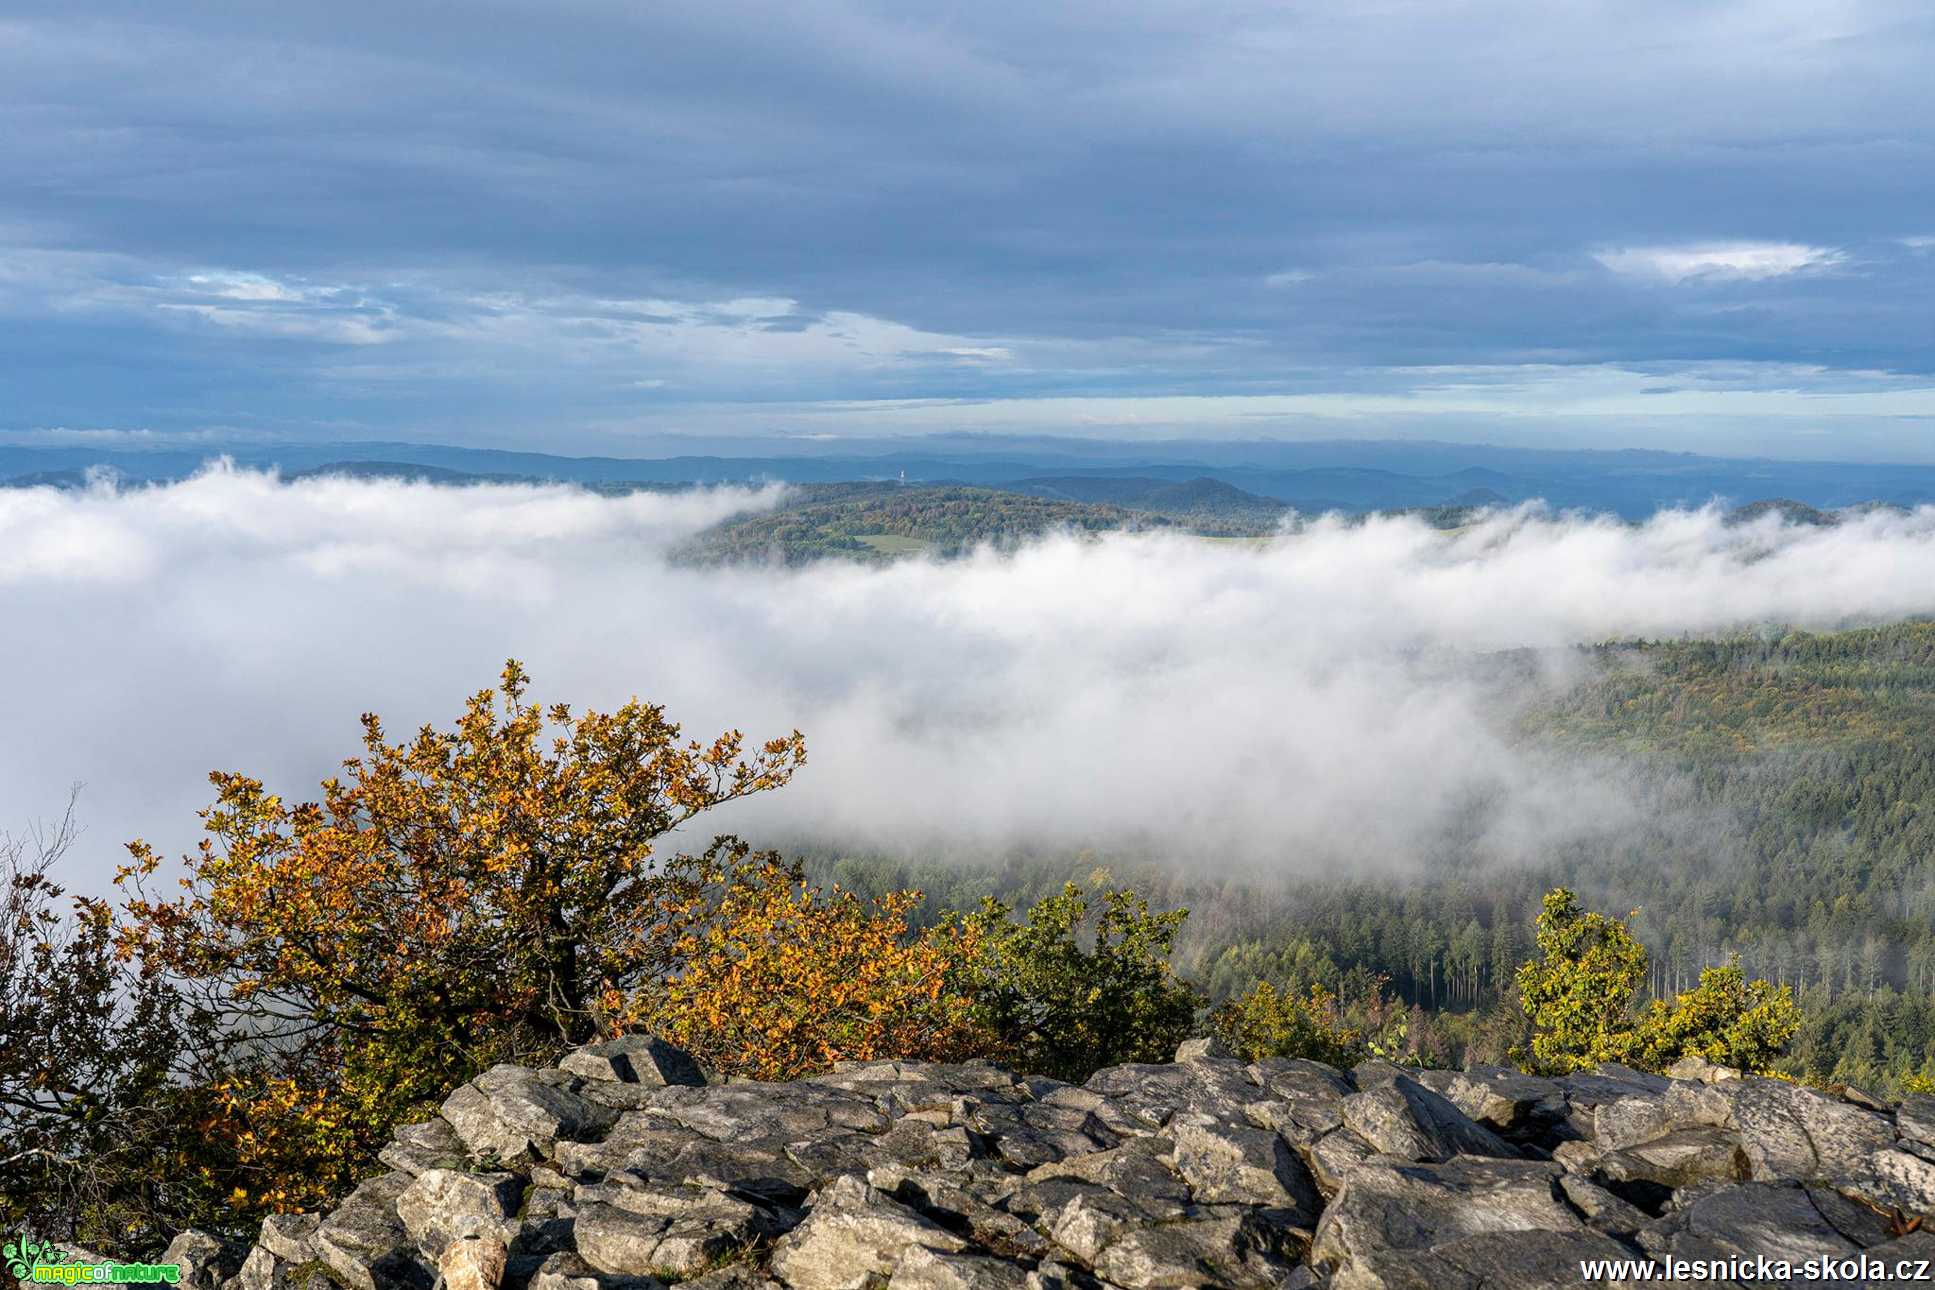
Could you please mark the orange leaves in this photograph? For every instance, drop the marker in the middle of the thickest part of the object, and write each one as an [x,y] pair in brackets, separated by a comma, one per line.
[778,980]
[462,895]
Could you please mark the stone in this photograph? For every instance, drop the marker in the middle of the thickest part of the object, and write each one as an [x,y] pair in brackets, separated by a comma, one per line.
[1791,1132]
[671,1233]
[1677,1159]
[443,1205]
[1192,1050]
[634,1059]
[1233,1252]
[1894,1179]
[1752,1219]
[1228,1163]
[1915,1117]
[566,1271]
[926,1268]
[1515,1106]
[1387,1206]
[1203,1172]
[262,1270]
[474,1261]
[1586,1091]
[510,1112]
[365,1245]
[1603,1211]
[854,1232]
[414,1148]
[1532,1259]
[290,1237]
[1334,1156]
[1403,1118]
[206,1260]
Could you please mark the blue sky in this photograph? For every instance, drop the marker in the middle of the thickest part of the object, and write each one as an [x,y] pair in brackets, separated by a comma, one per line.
[594,225]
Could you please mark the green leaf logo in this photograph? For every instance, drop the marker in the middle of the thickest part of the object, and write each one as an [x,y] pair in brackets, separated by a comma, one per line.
[23,1255]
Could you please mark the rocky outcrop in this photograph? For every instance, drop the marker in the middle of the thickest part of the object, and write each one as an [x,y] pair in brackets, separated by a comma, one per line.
[622,1169]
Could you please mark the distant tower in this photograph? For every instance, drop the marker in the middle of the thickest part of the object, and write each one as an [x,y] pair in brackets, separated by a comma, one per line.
[903,474]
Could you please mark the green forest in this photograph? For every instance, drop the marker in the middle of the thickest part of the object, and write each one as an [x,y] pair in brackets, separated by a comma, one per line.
[875,523]
[324,970]
[1794,777]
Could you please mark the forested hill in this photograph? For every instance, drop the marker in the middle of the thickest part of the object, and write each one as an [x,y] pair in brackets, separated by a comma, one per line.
[1791,787]
[874,522]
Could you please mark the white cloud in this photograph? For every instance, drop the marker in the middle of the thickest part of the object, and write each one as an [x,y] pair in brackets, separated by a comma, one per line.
[1309,703]
[1748,261]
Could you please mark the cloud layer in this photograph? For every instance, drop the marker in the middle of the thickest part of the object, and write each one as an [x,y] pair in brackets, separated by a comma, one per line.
[1320,701]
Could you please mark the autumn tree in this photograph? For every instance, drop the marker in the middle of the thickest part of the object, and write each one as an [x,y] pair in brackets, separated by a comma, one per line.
[776,979]
[458,897]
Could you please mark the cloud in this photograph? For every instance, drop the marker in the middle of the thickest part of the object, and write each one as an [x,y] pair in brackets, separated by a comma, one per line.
[1124,198]
[1319,702]
[1741,261]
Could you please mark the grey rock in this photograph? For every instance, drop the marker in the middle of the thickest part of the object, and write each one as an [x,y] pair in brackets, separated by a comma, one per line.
[1892,1178]
[1587,1091]
[260,1271]
[509,1112]
[1603,1211]
[566,1271]
[670,1232]
[1236,1252]
[1515,1260]
[1403,1118]
[365,1245]
[290,1237]
[1389,1206]
[634,1059]
[926,1268]
[205,1260]
[443,1205]
[1515,1106]
[1192,1050]
[414,1148]
[1915,1117]
[1791,1132]
[853,1233]
[1767,1220]
[1678,1159]
[1227,1163]
[1334,1156]
[1214,1086]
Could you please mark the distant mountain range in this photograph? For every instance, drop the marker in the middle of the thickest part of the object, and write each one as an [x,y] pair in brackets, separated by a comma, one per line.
[1225,479]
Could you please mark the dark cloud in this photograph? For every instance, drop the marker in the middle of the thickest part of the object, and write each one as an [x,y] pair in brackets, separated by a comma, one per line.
[530,221]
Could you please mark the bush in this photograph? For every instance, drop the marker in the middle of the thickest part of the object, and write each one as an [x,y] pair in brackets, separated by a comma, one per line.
[1579,996]
[1727,1020]
[96,1098]
[1064,999]
[777,980]
[1268,1022]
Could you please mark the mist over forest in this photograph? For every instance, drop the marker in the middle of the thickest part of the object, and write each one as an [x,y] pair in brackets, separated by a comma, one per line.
[1346,698]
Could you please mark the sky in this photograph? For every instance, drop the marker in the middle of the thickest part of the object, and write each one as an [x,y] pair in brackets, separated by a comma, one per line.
[1331,702]
[605,226]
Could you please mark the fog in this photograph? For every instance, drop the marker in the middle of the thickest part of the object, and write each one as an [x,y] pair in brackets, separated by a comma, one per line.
[1322,702]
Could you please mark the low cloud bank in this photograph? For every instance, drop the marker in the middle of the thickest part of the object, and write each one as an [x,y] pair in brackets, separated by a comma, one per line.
[1321,703]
